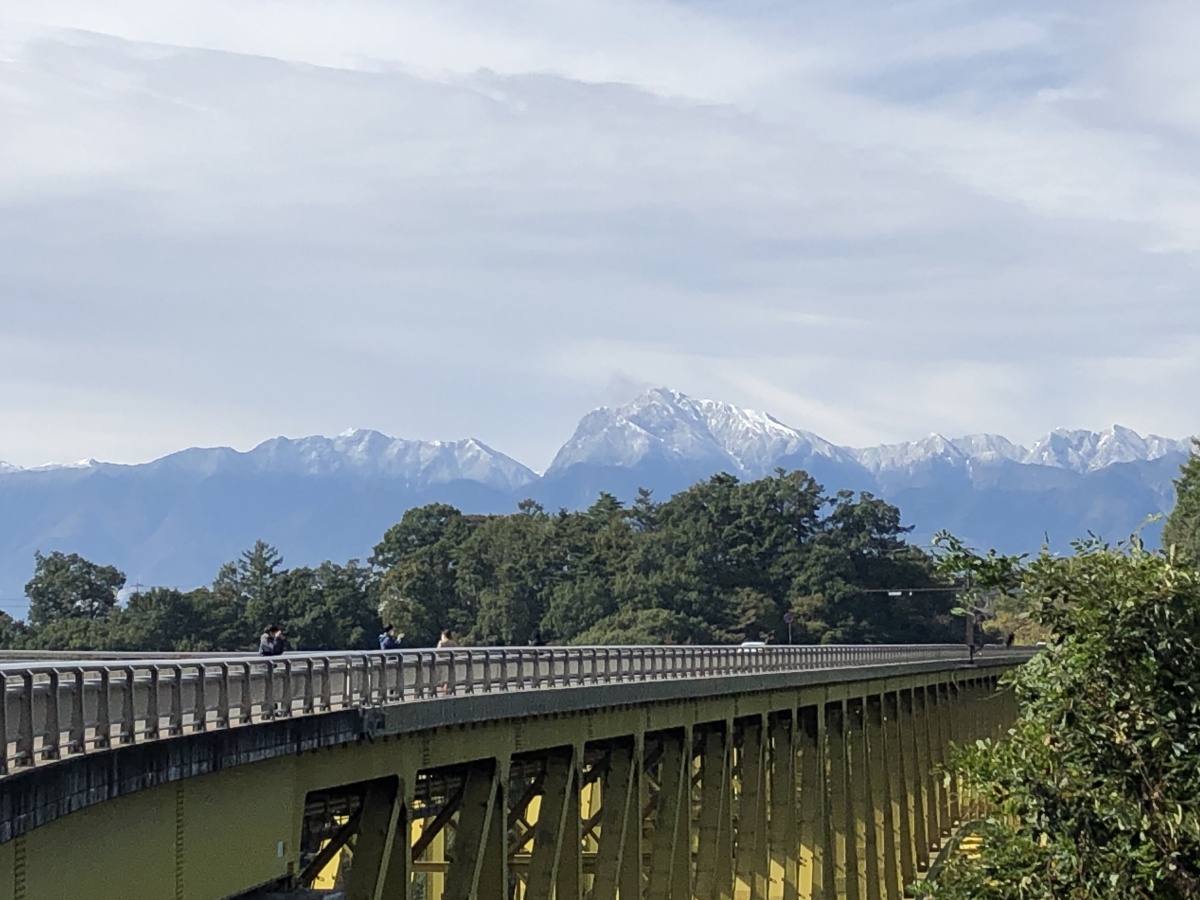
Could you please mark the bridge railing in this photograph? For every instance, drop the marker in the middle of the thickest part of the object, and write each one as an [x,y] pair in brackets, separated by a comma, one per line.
[53,709]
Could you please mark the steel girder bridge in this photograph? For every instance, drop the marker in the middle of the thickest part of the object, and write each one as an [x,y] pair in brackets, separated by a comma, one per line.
[607,773]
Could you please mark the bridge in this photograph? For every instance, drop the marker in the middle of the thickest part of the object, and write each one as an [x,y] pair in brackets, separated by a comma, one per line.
[607,773]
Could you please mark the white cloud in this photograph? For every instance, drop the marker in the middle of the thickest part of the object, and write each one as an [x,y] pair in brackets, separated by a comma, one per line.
[455,218]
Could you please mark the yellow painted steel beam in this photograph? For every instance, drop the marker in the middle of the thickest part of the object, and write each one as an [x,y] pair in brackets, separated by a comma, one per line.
[887,845]
[616,797]
[866,862]
[751,866]
[669,875]
[714,852]
[812,802]
[551,825]
[840,823]
[896,753]
[783,820]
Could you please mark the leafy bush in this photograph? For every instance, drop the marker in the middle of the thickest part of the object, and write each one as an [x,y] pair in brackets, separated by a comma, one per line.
[1093,793]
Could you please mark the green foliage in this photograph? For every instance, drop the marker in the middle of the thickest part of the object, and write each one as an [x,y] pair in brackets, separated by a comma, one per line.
[418,559]
[993,582]
[721,561]
[1182,528]
[160,620]
[11,632]
[68,586]
[645,626]
[1093,792]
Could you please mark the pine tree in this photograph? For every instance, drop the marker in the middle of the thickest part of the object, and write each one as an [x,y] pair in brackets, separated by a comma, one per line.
[1182,529]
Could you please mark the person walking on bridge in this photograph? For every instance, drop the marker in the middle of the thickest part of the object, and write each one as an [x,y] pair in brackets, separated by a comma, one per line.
[447,641]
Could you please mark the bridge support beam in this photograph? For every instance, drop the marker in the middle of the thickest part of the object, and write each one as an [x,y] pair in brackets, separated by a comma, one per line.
[812,802]
[783,820]
[844,850]
[883,761]
[863,801]
[617,800]
[927,762]
[554,866]
[477,859]
[378,870]
[899,794]
[714,860]
[954,717]
[751,863]
[669,875]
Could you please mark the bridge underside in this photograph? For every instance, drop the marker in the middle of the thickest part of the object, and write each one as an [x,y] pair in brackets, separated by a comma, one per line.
[822,791]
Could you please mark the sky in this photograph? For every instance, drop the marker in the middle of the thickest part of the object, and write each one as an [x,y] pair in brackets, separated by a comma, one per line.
[230,220]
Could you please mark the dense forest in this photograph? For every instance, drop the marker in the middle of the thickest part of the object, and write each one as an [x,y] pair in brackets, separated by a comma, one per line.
[722,561]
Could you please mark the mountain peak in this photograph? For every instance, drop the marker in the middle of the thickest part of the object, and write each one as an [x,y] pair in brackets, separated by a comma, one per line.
[667,425]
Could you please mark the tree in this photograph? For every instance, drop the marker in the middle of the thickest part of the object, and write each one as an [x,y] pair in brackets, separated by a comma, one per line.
[1182,528]
[69,586]
[159,620]
[418,559]
[1092,793]
[592,547]
[244,597]
[507,571]
[11,632]
[860,582]
[645,626]
[331,607]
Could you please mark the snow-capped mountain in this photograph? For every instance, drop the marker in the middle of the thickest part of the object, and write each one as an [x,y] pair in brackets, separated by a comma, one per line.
[665,426]
[1087,451]
[1075,450]
[354,454]
[369,453]
[908,454]
[175,520]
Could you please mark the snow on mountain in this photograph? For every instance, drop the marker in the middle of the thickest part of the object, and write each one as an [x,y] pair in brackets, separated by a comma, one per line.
[175,520]
[1078,451]
[1086,451]
[88,463]
[364,452]
[361,453]
[989,447]
[664,425]
[909,454]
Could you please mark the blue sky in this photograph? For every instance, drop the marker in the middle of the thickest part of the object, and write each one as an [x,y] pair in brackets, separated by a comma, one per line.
[224,221]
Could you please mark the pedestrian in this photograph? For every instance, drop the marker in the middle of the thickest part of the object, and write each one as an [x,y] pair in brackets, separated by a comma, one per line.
[272,641]
[1008,641]
[389,639]
[446,641]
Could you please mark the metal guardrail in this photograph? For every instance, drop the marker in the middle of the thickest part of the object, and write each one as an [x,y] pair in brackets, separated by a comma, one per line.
[54,709]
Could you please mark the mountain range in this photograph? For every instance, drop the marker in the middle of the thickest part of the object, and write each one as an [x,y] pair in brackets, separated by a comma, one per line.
[176,519]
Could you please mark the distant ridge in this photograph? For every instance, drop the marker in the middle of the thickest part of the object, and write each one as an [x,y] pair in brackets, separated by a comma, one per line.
[175,519]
